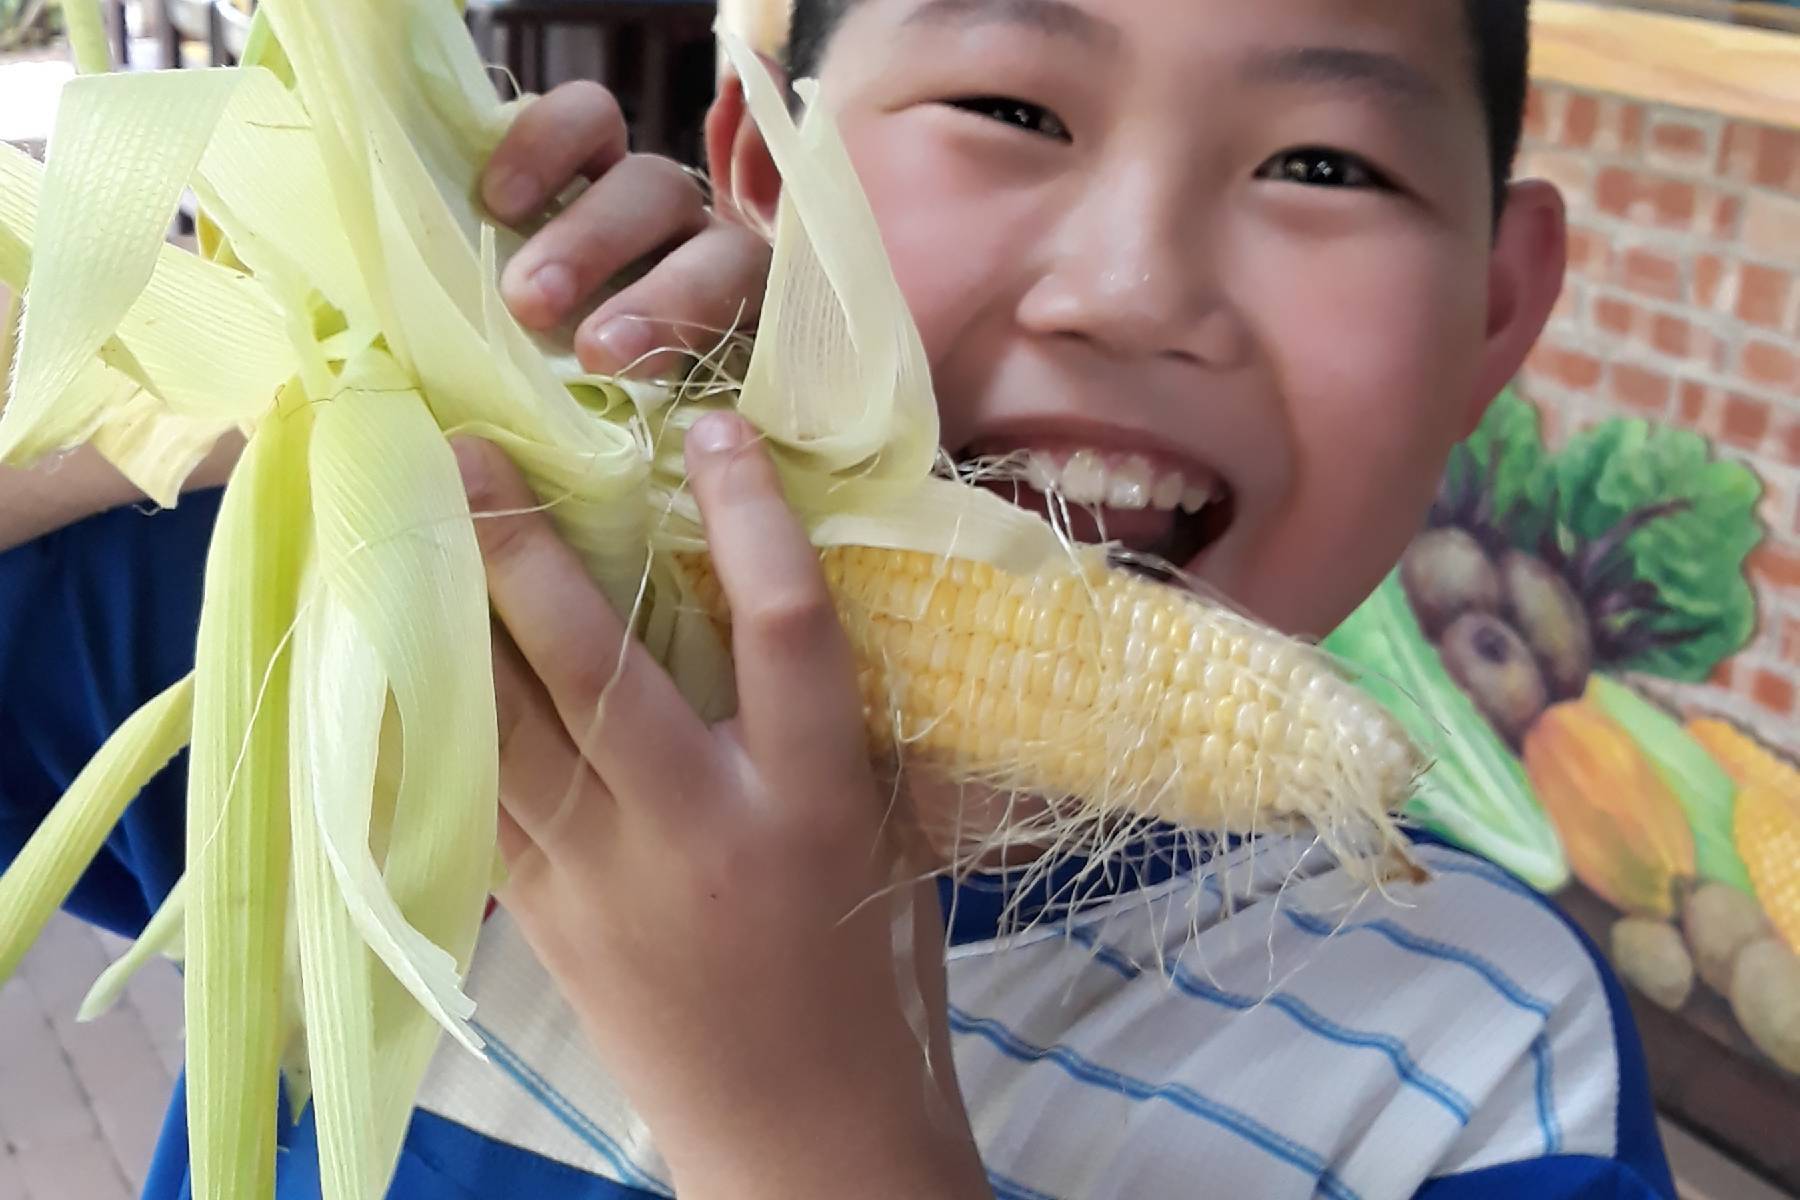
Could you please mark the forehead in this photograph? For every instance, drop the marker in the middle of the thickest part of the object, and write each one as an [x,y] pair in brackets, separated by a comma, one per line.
[1417,46]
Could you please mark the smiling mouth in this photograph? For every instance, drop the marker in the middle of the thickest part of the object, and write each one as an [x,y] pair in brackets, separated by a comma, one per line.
[1157,513]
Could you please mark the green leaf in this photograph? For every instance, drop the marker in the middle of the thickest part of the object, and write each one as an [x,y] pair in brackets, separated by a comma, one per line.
[1507,451]
[1694,558]
[1476,793]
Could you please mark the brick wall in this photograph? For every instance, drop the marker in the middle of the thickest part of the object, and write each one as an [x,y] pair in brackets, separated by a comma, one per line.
[1683,305]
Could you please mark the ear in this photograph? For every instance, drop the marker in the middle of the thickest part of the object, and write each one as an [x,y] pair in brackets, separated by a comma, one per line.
[745,179]
[1525,276]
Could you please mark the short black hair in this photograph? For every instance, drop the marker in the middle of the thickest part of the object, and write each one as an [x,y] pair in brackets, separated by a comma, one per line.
[1499,36]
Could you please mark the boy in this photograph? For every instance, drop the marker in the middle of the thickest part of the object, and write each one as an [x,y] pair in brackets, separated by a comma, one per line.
[1264,251]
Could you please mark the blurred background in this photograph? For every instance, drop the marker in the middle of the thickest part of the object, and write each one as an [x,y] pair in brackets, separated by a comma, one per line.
[1672,128]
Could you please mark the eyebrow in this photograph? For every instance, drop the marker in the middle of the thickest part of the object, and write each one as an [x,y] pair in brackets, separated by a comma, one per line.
[1386,75]
[1058,18]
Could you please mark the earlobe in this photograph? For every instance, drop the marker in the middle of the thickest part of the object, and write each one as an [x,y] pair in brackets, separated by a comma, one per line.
[1525,277]
[746,183]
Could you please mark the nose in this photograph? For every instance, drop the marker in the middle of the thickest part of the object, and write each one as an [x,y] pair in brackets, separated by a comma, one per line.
[1130,270]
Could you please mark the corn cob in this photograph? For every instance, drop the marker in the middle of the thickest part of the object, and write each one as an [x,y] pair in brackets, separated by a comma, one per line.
[1097,684]
[1766,824]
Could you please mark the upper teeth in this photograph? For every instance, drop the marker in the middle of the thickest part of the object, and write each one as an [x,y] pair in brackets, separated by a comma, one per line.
[1090,477]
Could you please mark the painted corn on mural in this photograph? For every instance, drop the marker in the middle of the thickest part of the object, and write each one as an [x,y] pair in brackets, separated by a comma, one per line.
[1559,610]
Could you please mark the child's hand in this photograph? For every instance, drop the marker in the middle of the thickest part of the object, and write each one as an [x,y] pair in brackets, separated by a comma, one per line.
[708,274]
[691,888]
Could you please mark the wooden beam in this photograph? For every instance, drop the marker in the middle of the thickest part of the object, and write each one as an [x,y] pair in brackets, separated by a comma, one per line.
[1664,58]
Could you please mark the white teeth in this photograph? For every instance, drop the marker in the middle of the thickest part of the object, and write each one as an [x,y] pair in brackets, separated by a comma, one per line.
[1167,495]
[1084,478]
[1129,486]
[1195,499]
[1090,477]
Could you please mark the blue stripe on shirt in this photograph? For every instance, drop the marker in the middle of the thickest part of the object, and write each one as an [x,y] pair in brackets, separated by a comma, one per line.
[1437,1090]
[1087,1071]
[565,1111]
[1498,979]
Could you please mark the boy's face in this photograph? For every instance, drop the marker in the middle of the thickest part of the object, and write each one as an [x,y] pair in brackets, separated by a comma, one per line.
[1240,253]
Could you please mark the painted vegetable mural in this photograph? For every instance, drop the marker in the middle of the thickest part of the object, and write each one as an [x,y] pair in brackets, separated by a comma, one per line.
[1517,637]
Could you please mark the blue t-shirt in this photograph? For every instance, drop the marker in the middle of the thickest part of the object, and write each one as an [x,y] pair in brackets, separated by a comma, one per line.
[1469,1046]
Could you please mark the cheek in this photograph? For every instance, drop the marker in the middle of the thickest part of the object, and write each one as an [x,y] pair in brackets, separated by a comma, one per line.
[953,242]
[1374,350]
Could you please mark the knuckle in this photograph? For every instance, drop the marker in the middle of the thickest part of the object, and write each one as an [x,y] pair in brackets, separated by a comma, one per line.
[796,618]
[584,679]
[595,100]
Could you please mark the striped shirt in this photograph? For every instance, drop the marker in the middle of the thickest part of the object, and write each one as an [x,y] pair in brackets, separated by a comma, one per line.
[1262,1027]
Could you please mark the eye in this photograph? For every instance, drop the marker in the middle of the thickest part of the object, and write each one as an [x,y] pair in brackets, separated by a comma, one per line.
[1316,166]
[1021,114]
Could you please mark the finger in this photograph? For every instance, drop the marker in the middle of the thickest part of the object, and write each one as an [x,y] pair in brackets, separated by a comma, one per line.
[798,700]
[515,843]
[646,739]
[574,130]
[547,789]
[642,205]
[711,285]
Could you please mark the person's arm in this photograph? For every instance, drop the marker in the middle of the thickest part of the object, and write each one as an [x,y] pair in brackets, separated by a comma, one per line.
[34,501]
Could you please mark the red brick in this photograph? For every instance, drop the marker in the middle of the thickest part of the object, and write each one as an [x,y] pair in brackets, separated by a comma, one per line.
[1771,364]
[1615,316]
[1569,368]
[1724,675]
[1763,295]
[1589,253]
[1777,159]
[1745,421]
[1772,227]
[1775,566]
[1537,114]
[1651,273]
[1715,281]
[1790,443]
[1695,403]
[1761,155]
[1581,120]
[1773,692]
[1723,216]
[1679,144]
[1641,390]
[1790,639]
[1671,335]
[1646,199]
[1621,128]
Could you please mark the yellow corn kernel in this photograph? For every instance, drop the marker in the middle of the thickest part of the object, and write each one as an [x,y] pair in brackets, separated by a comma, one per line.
[1766,827]
[1128,695]
[1766,820]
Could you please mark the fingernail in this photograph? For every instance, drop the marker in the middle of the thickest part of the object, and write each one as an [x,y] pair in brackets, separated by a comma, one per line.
[624,341]
[555,286]
[511,194]
[716,433]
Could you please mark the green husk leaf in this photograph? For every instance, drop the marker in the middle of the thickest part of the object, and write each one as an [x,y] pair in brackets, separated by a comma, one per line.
[237,838]
[60,850]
